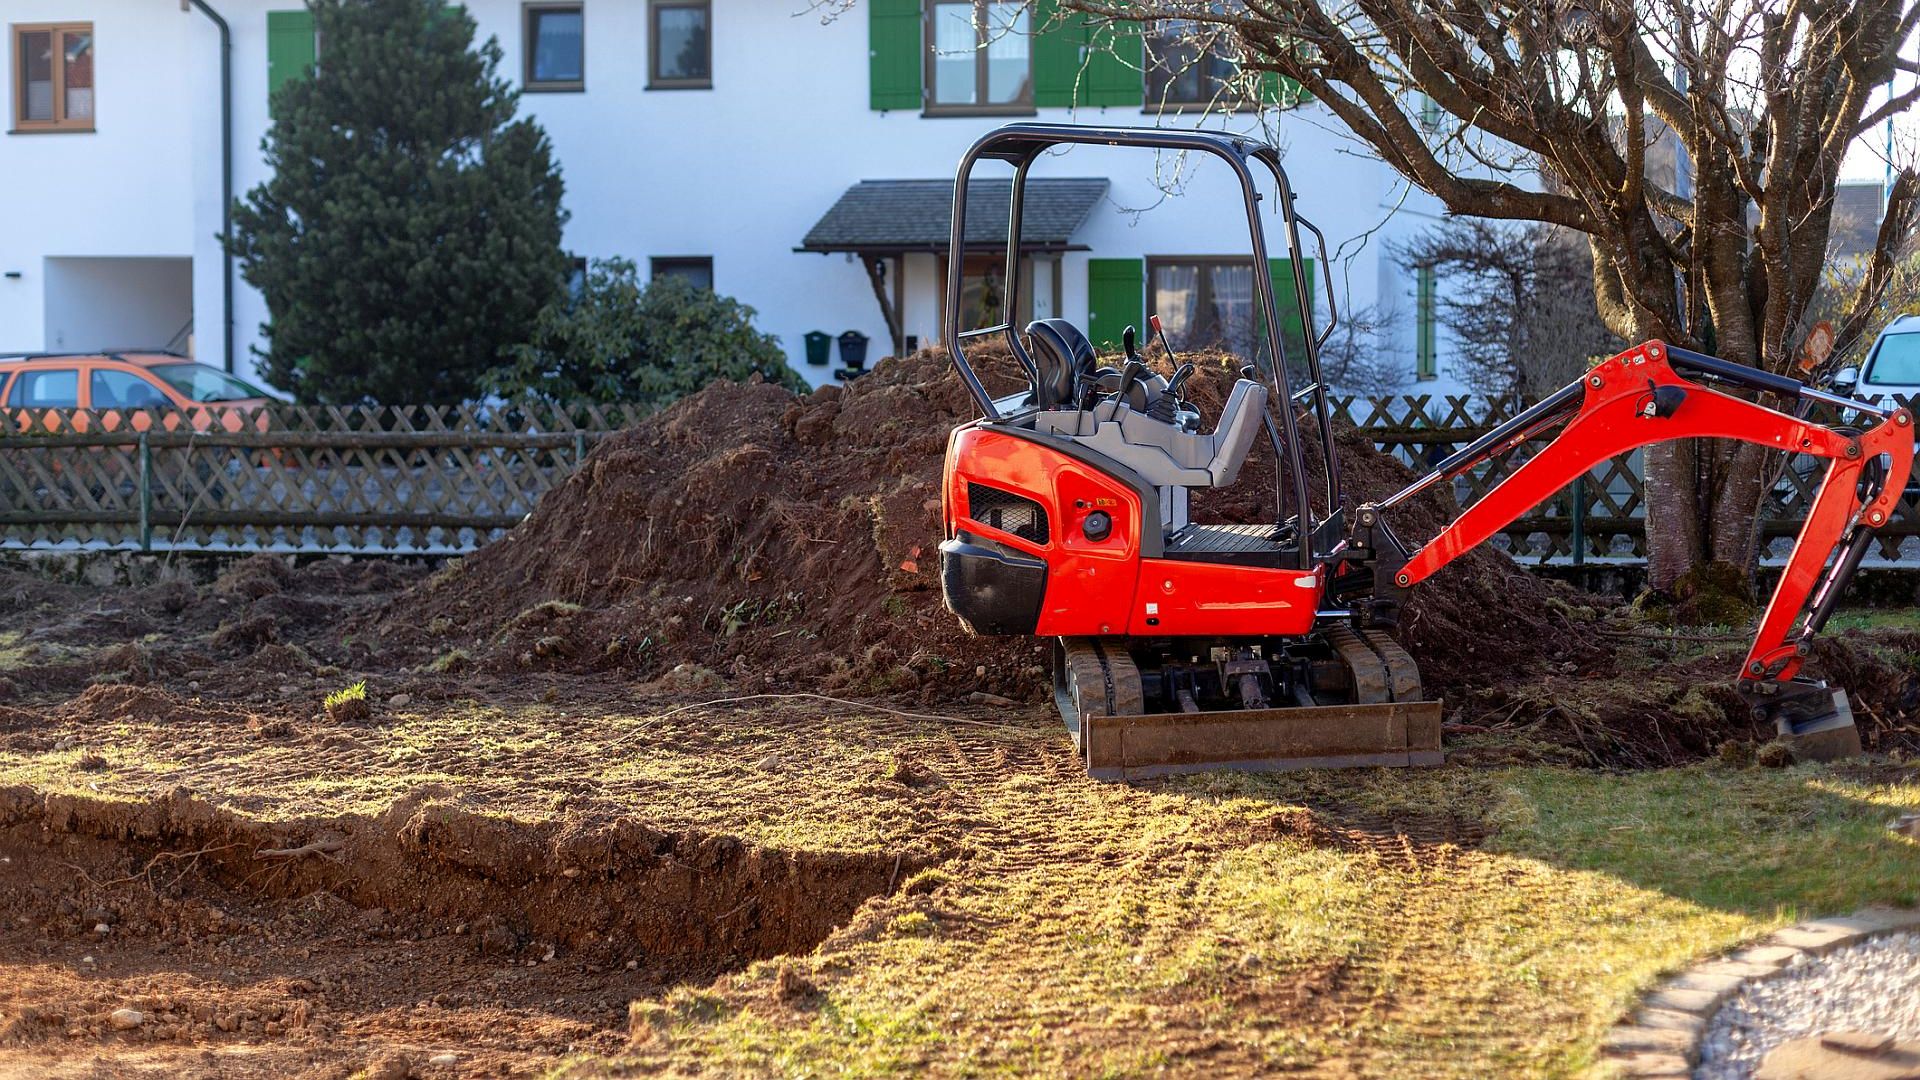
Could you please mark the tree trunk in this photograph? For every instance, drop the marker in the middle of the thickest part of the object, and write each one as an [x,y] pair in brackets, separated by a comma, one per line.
[1703,496]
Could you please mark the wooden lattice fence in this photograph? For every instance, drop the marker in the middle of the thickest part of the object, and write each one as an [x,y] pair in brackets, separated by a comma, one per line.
[365,480]
[417,479]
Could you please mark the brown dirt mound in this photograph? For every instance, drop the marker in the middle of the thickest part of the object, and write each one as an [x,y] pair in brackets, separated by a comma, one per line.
[783,540]
[778,541]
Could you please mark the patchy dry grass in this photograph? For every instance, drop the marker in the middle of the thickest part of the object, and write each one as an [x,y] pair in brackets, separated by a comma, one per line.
[1454,922]
[1234,924]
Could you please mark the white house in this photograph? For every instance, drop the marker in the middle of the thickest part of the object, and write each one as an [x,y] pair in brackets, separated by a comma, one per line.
[797,162]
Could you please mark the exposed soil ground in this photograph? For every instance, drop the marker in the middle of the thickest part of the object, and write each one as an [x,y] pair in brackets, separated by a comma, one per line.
[529,868]
[537,849]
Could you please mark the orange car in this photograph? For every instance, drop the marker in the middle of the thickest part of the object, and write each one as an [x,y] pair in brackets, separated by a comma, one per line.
[166,387]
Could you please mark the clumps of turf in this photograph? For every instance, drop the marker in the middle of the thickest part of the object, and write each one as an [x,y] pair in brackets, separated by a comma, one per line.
[349,705]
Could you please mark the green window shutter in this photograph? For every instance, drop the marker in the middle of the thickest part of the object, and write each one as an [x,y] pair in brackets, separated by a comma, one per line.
[1116,60]
[1057,38]
[1293,322]
[1116,299]
[291,46]
[1426,361]
[1078,62]
[1278,89]
[893,54]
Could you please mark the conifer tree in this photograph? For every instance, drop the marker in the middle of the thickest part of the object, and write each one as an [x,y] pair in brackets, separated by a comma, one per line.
[410,232]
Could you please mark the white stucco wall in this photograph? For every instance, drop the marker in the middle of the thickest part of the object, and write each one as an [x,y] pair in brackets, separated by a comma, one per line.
[125,190]
[738,172]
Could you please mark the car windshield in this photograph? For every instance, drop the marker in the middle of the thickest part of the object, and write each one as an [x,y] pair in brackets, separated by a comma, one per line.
[202,383]
[1896,362]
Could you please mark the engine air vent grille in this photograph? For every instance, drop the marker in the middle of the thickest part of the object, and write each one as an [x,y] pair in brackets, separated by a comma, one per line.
[1004,510]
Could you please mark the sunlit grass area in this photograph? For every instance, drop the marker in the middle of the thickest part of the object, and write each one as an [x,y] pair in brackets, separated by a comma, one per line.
[1450,922]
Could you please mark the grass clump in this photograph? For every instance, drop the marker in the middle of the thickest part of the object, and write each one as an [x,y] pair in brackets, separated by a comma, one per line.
[451,661]
[348,705]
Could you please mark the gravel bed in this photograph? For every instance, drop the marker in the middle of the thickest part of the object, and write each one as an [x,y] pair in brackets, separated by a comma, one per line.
[1873,986]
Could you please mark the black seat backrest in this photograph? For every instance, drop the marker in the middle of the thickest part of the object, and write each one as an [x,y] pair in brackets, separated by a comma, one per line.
[1061,353]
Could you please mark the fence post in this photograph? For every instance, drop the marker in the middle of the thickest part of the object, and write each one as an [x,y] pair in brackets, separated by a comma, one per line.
[146,494]
[579,447]
[1580,520]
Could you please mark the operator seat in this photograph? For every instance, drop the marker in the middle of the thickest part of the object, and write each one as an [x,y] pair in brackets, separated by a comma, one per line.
[1164,455]
[1061,354]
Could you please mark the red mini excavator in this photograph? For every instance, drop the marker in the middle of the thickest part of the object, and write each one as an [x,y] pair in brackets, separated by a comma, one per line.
[1182,645]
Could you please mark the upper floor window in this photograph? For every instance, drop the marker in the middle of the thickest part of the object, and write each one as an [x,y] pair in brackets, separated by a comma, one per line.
[695,270]
[681,56]
[980,60]
[53,77]
[1190,63]
[556,46]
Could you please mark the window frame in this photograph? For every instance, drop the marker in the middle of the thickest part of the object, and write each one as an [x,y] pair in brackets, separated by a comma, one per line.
[1233,90]
[60,121]
[980,106]
[659,266]
[530,13]
[655,81]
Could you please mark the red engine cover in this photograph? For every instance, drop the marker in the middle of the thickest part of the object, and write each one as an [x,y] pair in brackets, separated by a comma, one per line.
[1106,587]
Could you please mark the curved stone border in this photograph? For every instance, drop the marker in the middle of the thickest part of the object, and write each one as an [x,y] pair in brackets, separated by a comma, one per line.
[1661,1038]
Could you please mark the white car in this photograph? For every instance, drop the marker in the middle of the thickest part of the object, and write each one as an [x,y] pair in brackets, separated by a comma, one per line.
[1891,369]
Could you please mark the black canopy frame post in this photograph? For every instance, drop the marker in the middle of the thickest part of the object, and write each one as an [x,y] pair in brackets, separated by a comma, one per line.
[1021,144]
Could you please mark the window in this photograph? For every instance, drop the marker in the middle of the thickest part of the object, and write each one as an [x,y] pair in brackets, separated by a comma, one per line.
[1429,112]
[1209,303]
[696,270]
[1190,63]
[556,47]
[980,60]
[1896,361]
[48,388]
[1204,303]
[681,54]
[198,382]
[1425,359]
[124,390]
[53,77]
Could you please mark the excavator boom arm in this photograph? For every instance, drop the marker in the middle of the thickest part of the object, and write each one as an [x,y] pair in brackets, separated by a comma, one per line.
[1639,398]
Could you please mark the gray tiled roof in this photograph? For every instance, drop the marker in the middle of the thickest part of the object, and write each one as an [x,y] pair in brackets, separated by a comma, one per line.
[887,215]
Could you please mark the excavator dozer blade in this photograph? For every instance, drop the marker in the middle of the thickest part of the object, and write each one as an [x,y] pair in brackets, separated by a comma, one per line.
[1263,740]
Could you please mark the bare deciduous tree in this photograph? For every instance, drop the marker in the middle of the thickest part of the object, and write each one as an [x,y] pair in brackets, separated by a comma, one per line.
[1764,96]
[1519,305]
[1352,358]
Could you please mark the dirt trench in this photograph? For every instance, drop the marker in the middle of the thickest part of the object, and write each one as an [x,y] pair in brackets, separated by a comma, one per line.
[695,902]
[386,943]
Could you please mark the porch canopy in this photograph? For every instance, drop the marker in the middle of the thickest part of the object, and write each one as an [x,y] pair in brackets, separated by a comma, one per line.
[888,219]
[891,217]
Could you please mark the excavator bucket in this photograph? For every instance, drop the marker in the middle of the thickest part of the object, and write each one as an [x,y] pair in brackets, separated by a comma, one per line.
[1261,740]
[1098,688]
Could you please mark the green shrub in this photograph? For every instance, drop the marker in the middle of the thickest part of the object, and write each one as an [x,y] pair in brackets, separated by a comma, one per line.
[619,340]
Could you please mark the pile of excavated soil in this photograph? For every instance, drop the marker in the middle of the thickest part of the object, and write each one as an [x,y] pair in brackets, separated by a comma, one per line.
[750,538]
[784,541]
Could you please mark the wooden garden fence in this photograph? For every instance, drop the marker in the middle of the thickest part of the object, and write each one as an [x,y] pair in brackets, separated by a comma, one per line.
[442,480]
